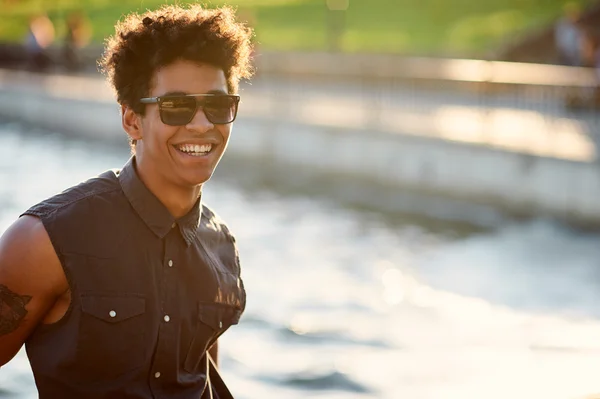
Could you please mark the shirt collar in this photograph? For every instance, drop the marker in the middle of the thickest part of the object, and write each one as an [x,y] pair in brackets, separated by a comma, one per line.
[154,214]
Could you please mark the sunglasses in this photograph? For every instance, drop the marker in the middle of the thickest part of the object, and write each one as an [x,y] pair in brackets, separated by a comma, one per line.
[178,110]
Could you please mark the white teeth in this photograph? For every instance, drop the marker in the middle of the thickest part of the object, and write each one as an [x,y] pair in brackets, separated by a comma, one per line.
[195,149]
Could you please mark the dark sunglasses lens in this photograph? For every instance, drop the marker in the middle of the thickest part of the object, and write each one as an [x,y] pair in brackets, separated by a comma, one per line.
[177,111]
[220,109]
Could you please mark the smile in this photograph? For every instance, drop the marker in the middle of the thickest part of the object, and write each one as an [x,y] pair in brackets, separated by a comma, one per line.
[195,149]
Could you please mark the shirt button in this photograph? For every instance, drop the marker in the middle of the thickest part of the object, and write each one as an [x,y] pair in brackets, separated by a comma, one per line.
[166,318]
[112,313]
[220,324]
[170,263]
[173,225]
[157,374]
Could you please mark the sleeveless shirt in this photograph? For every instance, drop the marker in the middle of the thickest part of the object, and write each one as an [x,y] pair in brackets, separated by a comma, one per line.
[149,294]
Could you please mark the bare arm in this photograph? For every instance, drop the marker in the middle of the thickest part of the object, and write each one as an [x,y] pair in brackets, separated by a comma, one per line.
[31,280]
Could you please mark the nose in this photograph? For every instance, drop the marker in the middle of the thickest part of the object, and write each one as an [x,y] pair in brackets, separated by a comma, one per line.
[200,122]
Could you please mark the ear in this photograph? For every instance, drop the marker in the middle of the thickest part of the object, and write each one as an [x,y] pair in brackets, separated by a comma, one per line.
[132,122]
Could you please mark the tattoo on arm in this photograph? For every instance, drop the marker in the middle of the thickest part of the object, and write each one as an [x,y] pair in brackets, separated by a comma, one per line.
[12,309]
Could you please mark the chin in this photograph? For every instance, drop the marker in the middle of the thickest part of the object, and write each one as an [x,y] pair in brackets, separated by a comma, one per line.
[198,178]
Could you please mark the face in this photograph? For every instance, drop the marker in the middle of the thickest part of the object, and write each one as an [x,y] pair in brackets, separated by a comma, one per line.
[169,153]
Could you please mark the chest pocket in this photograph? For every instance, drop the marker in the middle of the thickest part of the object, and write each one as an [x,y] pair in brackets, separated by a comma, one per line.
[111,335]
[212,321]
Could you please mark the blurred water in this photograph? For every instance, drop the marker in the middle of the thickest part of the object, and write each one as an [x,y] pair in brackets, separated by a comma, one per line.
[343,303]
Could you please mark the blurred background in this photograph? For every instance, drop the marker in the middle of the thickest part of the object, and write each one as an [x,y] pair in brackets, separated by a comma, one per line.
[426,174]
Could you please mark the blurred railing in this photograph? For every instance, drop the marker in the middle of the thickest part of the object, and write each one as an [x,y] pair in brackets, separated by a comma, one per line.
[391,67]
[377,66]
[533,109]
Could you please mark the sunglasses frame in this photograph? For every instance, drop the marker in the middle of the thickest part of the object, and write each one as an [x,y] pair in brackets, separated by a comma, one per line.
[159,100]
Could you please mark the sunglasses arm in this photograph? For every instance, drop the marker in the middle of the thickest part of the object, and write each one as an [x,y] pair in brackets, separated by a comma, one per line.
[149,100]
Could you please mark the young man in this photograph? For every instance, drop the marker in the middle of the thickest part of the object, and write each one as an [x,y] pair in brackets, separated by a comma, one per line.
[120,286]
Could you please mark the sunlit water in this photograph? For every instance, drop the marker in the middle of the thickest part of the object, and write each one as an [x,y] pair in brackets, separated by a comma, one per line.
[344,304]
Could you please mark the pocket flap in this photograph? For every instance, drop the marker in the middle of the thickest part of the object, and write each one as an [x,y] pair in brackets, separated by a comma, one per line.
[218,316]
[210,315]
[113,308]
[236,314]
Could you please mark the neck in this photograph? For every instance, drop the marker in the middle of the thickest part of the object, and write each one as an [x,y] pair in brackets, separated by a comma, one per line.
[178,200]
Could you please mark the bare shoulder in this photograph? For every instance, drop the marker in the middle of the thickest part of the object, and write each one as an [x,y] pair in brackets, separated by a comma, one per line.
[26,251]
[31,279]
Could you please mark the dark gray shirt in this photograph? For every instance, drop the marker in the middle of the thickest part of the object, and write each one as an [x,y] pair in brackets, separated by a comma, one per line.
[149,293]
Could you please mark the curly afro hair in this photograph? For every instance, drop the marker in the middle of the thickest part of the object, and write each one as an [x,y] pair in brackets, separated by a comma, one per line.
[144,43]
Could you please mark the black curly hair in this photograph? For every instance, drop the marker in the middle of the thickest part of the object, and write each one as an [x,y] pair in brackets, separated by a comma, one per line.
[143,43]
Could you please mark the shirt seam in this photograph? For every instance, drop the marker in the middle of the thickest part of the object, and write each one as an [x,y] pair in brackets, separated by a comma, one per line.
[62,206]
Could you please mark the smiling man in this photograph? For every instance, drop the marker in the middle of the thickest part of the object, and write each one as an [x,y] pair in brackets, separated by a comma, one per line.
[120,287]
